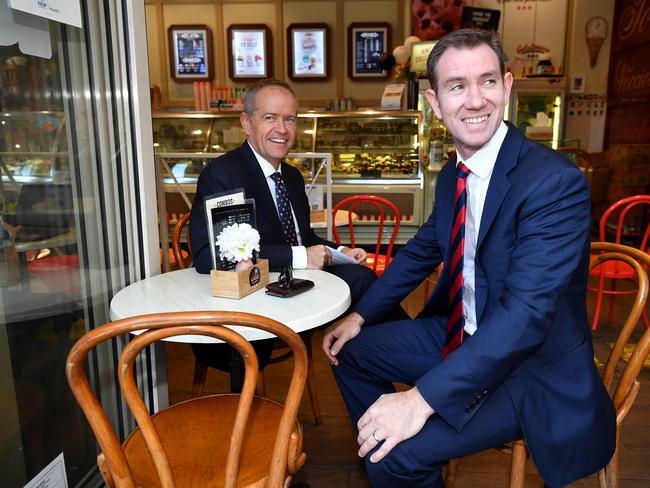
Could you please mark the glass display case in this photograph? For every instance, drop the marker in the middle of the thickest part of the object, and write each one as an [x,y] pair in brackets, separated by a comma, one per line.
[536,107]
[373,152]
[33,147]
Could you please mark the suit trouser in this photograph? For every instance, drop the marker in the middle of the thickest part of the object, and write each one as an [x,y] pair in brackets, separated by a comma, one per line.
[402,352]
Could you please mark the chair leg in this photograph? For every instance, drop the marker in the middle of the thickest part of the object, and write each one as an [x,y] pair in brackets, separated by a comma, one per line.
[311,378]
[599,303]
[260,390]
[452,471]
[518,464]
[198,382]
[612,299]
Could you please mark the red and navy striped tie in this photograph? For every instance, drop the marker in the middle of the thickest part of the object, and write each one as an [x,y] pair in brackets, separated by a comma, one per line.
[456,320]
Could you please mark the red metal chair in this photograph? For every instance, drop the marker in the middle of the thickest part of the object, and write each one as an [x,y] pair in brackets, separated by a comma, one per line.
[617,270]
[376,261]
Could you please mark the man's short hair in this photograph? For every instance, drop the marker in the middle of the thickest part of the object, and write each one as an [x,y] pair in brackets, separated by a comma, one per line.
[253,90]
[464,39]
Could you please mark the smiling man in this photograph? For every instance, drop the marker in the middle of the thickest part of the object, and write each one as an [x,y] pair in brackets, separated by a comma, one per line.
[502,349]
[269,121]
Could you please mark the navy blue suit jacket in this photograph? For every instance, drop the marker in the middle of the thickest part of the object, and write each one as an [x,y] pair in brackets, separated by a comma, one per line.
[239,169]
[533,334]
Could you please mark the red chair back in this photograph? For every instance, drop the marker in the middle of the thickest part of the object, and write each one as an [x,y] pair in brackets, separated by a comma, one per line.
[625,205]
[383,207]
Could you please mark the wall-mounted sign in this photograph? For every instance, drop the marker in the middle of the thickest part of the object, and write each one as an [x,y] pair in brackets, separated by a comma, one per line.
[419,56]
[249,52]
[308,53]
[480,18]
[367,41]
[190,53]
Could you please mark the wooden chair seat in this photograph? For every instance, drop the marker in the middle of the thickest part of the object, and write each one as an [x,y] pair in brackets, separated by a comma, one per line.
[197,448]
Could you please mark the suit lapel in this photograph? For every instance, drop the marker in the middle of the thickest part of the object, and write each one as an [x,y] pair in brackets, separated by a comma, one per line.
[446,187]
[499,182]
[259,188]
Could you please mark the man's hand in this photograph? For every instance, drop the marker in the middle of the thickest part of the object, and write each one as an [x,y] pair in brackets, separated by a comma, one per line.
[339,333]
[358,254]
[318,257]
[393,418]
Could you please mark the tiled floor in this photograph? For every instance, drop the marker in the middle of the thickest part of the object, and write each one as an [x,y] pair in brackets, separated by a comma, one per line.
[331,449]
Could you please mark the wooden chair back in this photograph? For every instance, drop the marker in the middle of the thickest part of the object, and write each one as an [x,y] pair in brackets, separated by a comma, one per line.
[627,387]
[157,434]
[182,261]
[383,207]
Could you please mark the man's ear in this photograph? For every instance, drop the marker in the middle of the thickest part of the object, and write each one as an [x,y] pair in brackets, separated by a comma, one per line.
[433,101]
[245,123]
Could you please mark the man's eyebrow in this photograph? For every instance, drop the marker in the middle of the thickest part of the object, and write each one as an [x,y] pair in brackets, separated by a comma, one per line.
[455,79]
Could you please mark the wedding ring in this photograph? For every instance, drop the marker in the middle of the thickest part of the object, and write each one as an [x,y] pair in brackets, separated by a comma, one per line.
[375,437]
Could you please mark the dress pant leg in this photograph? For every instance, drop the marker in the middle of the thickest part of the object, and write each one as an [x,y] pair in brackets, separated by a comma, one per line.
[403,351]
[358,277]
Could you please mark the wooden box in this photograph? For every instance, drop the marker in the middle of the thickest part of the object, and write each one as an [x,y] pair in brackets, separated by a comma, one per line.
[238,284]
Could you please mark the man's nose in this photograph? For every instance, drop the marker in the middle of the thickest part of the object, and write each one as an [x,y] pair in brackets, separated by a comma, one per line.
[475,97]
[280,125]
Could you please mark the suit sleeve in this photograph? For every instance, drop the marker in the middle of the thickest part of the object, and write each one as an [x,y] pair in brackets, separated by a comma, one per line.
[551,246]
[415,261]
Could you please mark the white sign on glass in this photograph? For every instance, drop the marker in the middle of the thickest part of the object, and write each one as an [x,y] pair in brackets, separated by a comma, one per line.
[64,11]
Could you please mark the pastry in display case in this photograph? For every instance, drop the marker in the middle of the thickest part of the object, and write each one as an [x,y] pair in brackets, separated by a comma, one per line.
[33,147]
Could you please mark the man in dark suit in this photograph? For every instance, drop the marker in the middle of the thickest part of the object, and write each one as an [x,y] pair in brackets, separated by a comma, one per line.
[502,349]
[269,120]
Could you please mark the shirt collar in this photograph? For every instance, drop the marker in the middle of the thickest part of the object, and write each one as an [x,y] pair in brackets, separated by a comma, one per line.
[482,161]
[266,167]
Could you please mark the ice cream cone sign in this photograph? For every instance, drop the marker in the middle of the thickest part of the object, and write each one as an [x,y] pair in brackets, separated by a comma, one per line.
[595,34]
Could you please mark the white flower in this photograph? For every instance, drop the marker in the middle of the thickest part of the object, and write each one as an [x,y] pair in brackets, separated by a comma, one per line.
[237,242]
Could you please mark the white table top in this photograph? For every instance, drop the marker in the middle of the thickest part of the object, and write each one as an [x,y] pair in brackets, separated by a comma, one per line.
[186,290]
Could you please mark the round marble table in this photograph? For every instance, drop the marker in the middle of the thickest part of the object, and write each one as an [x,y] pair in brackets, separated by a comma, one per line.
[186,290]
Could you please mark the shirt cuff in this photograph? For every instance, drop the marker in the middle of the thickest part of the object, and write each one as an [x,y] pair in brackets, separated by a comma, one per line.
[299,259]
[340,248]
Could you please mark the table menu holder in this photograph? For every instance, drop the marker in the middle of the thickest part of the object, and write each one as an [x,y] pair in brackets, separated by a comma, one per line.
[238,284]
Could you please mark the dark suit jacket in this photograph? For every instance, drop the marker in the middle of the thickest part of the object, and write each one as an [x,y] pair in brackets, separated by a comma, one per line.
[533,335]
[239,169]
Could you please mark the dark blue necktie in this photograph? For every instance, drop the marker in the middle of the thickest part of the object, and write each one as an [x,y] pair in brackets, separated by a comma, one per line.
[456,320]
[284,210]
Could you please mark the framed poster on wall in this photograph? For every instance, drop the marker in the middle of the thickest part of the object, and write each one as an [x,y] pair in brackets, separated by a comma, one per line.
[366,42]
[308,52]
[190,53]
[249,52]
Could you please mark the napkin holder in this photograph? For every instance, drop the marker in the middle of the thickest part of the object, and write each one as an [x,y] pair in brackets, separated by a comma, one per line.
[238,284]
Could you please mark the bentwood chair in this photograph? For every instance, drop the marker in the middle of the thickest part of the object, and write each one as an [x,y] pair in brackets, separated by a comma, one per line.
[212,441]
[384,210]
[628,215]
[183,258]
[201,364]
[626,389]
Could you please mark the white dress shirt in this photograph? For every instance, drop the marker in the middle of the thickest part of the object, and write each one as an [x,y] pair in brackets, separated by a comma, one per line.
[299,253]
[481,165]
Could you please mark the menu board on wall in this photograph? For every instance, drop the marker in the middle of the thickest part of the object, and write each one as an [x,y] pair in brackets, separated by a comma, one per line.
[367,41]
[248,51]
[309,52]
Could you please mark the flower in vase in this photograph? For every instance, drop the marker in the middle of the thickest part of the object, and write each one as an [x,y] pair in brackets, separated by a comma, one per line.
[237,242]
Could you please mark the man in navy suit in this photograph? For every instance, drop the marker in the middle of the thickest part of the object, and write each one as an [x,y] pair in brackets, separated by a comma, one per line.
[269,121]
[523,361]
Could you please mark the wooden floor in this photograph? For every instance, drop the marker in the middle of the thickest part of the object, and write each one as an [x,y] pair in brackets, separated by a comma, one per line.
[331,449]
